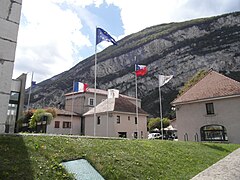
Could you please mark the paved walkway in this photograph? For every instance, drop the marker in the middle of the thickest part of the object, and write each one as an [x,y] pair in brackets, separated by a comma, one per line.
[227,168]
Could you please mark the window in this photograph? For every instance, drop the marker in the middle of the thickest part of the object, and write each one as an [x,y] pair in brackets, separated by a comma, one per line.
[129,118]
[122,134]
[98,120]
[66,124]
[91,101]
[118,119]
[57,124]
[209,108]
[135,135]
[213,133]
[14,96]
[136,120]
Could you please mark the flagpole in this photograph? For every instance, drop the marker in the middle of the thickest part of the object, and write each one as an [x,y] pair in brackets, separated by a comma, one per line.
[107,117]
[72,109]
[95,88]
[30,91]
[160,106]
[136,100]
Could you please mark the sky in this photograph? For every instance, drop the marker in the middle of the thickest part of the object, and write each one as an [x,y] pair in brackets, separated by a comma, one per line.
[55,35]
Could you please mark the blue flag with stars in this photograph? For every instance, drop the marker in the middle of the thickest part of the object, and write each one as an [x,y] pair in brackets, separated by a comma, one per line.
[104,36]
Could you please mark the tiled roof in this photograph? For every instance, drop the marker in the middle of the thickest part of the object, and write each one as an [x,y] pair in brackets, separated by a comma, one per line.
[213,85]
[120,104]
[124,105]
[65,113]
[89,90]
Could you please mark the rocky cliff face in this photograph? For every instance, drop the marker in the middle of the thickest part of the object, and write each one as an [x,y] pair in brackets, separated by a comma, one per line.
[179,49]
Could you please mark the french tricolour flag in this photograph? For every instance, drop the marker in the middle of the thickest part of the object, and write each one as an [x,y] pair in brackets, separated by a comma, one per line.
[140,70]
[80,87]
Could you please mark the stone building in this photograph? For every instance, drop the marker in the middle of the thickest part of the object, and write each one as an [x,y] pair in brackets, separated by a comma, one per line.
[10,11]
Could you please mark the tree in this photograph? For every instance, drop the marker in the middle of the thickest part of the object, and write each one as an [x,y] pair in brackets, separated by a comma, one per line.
[52,111]
[156,123]
[25,119]
[40,115]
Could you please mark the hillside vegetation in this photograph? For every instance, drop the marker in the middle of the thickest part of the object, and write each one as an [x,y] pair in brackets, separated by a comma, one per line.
[39,157]
[180,49]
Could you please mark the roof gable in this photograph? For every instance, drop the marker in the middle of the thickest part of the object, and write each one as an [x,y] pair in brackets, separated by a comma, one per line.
[124,105]
[120,104]
[213,85]
[65,112]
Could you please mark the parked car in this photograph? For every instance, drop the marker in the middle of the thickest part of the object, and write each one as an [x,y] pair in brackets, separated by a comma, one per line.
[154,136]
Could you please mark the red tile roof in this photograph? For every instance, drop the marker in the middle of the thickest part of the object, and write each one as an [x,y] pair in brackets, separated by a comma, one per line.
[120,104]
[213,85]
[65,113]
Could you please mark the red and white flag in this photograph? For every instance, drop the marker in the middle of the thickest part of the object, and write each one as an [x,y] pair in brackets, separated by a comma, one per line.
[140,70]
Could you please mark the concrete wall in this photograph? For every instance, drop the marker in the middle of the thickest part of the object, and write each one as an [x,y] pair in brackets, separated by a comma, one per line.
[10,11]
[75,125]
[125,125]
[191,117]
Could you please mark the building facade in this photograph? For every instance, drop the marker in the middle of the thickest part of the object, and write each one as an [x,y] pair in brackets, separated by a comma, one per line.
[10,11]
[80,103]
[65,123]
[209,111]
[16,103]
[113,121]
[116,117]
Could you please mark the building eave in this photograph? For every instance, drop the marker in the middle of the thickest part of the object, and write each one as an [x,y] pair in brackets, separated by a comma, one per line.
[205,99]
[116,112]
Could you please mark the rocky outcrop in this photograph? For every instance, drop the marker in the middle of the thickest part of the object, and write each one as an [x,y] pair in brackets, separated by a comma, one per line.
[179,49]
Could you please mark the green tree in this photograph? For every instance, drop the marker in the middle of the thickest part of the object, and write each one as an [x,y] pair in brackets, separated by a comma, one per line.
[156,123]
[40,115]
[25,119]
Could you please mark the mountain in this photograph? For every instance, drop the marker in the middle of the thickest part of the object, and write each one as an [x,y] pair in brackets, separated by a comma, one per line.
[179,49]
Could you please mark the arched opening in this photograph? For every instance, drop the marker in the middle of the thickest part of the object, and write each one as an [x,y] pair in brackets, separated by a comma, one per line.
[213,133]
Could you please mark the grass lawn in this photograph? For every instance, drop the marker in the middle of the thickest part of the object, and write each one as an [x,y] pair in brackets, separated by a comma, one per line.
[39,157]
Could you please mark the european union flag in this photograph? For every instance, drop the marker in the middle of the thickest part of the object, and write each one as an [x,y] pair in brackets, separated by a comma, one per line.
[34,84]
[104,36]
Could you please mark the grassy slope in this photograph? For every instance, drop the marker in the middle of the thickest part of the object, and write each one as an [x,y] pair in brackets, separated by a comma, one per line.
[32,157]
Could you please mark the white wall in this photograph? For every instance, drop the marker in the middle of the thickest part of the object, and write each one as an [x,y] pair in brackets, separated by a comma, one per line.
[9,22]
[125,125]
[75,125]
[191,117]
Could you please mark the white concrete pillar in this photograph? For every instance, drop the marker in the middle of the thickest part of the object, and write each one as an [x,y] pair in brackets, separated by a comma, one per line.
[10,11]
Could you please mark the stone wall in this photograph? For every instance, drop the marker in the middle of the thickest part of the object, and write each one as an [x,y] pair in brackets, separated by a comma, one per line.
[10,11]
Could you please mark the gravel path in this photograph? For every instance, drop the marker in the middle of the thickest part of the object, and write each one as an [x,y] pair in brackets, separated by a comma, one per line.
[227,168]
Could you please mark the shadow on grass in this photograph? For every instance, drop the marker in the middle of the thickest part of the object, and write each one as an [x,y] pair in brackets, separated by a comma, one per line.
[216,147]
[14,159]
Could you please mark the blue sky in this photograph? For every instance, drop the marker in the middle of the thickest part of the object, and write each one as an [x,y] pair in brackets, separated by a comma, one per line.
[55,35]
